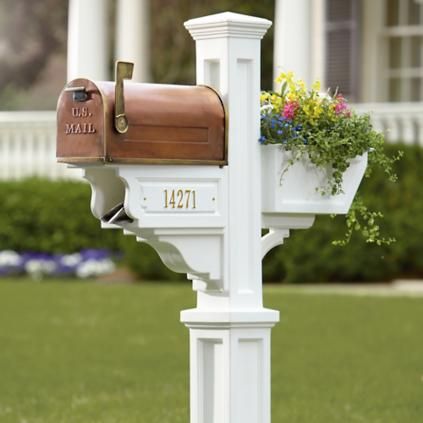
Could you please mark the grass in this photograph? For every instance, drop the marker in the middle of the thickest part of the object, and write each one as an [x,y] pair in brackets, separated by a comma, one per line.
[81,352]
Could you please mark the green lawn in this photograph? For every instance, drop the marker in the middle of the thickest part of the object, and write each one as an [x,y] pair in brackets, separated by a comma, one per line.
[84,352]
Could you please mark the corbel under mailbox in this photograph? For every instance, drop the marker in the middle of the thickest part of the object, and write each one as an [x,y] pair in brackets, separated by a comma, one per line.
[143,201]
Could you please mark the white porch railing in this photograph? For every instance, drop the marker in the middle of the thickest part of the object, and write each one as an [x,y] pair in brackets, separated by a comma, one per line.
[398,121]
[28,139]
[28,146]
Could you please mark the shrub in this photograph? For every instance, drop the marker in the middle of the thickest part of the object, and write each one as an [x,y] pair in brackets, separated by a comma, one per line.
[50,217]
[54,217]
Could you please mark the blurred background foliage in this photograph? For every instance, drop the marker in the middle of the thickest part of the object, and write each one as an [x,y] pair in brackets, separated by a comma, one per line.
[307,256]
[33,36]
[172,48]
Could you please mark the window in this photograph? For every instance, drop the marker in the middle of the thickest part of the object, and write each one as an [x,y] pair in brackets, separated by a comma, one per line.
[403,36]
[342,24]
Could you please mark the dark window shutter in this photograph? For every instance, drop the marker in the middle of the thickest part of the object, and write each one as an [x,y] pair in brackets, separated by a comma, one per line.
[342,31]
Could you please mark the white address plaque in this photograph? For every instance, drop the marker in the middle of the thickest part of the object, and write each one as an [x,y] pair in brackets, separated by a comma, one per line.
[183,197]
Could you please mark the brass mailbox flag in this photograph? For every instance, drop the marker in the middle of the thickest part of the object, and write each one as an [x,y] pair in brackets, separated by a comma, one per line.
[123,71]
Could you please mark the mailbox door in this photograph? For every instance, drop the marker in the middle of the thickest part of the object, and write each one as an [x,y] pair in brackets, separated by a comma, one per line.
[80,123]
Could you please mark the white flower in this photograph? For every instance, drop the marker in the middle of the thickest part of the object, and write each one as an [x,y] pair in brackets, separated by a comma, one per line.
[9,258]
[266,108]
[71,260]
[91,268]
[36,268]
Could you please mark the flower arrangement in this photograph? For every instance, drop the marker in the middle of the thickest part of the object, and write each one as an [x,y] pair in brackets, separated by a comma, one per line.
[324,130]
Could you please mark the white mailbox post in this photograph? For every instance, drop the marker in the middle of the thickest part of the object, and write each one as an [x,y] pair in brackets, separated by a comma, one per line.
[206,221]
[230,329]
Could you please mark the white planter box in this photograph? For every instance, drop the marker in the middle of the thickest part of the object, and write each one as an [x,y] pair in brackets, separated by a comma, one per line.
[298,189]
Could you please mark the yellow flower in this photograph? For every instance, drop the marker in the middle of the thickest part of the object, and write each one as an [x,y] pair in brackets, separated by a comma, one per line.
[292,96]
[264,96]
[285,76]
[276,102]
[301,88]
[280,78]
[316,86]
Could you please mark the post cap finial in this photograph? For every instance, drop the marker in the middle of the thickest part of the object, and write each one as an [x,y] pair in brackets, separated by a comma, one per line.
[227,24]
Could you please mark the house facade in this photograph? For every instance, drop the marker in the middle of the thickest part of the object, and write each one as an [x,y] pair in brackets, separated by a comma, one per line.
[371,49]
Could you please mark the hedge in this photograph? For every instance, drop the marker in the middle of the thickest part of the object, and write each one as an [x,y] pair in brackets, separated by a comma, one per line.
[46,216]
[49,216]
[54,217]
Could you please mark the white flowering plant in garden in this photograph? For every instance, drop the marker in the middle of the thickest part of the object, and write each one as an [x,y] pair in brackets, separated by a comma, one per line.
[85,264]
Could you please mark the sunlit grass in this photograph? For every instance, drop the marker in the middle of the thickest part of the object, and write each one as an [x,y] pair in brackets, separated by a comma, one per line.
[84,352]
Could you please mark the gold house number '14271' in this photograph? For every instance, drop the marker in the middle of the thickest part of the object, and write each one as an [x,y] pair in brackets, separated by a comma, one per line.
[179,199]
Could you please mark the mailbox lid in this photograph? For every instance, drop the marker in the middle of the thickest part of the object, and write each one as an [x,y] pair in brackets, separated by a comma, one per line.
[167,124]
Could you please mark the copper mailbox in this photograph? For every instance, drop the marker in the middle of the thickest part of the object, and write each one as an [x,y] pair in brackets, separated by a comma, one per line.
[140,123]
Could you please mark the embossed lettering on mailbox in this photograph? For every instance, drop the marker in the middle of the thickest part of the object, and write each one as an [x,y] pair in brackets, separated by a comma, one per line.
[76,128]
[79,128]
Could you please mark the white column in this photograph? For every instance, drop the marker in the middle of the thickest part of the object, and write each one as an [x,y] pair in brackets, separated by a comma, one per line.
[318,42]
[374,63]
[230,329]
[299,39]
[88,52]
[133,36]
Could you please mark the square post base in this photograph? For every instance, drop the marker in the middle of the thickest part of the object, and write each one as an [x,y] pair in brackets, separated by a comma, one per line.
[230,366]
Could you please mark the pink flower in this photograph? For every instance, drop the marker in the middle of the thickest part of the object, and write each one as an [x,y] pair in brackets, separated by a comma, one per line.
[341,106]
[290,109]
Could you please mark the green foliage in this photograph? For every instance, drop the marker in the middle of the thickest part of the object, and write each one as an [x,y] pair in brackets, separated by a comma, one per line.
[55,217]
[33,37]
[33,34]
[41,215]
[309,256]
[172,48]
